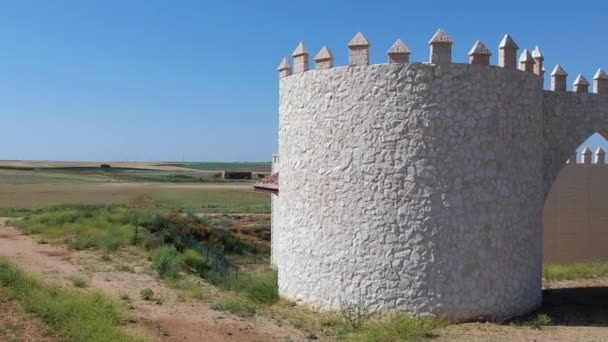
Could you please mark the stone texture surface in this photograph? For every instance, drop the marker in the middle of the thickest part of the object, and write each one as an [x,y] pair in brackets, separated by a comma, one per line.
[402,188]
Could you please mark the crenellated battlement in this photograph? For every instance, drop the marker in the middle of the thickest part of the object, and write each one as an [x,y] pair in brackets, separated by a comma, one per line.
[589,158]
[441,54]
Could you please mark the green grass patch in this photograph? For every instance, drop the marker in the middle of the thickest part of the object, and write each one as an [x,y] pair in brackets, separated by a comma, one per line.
[399,327]
[73,315]
[84,227]
[259,287]
[236,305]
[576,271]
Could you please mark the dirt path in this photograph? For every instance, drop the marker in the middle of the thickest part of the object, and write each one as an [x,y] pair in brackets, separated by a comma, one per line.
[176,319]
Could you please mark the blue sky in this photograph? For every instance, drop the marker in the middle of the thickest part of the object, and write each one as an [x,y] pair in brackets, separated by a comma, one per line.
[196,80]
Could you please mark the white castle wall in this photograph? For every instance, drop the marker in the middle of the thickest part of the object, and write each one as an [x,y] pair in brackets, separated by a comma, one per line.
[417,187]
[387,194]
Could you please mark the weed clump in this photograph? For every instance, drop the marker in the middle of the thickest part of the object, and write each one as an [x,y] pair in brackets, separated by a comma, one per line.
[167,261]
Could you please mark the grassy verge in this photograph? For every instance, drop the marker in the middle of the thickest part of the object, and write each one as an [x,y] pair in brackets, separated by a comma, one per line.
[576,271]
[82,227]
[73,315]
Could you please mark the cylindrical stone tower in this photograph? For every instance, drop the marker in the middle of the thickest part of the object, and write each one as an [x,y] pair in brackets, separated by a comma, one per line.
[411,187]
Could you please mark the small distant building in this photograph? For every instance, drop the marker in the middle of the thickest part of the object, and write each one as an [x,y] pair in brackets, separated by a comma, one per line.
[246,173]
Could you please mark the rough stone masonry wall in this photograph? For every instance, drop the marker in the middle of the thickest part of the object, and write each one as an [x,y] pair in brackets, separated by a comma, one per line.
[411,187]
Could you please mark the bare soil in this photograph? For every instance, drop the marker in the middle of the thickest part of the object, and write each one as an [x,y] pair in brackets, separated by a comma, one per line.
[169,318]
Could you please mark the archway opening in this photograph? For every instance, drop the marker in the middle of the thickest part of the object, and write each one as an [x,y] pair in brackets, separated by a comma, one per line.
[575,238]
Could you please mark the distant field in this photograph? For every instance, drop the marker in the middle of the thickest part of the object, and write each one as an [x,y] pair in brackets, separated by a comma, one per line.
[30,185]
[222,166]
[205,198]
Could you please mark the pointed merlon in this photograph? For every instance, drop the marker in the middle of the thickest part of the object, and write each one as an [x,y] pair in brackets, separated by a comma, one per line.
[480,49]
[537,54]
[324,59]
[600,75]
[507,53]
[441,37]
[581,80]
[479,54]
[587,155]
[526,62]
[324,54]
[600,156]
[581,85]
[300,50]
[441,48]
[284,68]
[399,47]
[300,58]
[526,57]
[358,50]
[600,82]
[539,68]
[358,40]
[559,71]
[558,79]
[508,42]
[399,53]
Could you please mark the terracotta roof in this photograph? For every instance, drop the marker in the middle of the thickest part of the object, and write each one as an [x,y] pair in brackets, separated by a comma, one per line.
[270,183]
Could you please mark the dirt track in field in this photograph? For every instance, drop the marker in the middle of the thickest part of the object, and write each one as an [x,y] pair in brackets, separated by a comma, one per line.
[174,320]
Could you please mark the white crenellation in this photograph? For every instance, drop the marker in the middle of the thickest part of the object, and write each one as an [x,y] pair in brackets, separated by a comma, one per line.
[539,67]
[526,61]
[479,54]
[441,48]
[581,85]
[600,156]
[507,56]
[300,58]
[600,82]
[324,59]
[399,53]
[284,68]
[586,155]
[358,50]
[558,79]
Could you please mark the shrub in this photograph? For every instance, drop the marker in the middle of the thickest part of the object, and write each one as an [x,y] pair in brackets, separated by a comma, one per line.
[259,287]
[167,261]
[539,322]
[146,294]
[236,306]
[197,262]
[78,281]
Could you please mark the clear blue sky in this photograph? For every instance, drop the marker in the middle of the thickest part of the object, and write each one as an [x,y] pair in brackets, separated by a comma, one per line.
[196,80]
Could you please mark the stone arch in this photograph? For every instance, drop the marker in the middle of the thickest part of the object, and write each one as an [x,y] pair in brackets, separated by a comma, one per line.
[569,119]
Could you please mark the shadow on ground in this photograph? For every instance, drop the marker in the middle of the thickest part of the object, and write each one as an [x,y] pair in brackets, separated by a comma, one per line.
[576,306]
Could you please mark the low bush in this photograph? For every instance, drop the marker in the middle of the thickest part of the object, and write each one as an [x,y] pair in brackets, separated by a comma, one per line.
[260,287]
[195,261]
[167,261]
[146,294]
